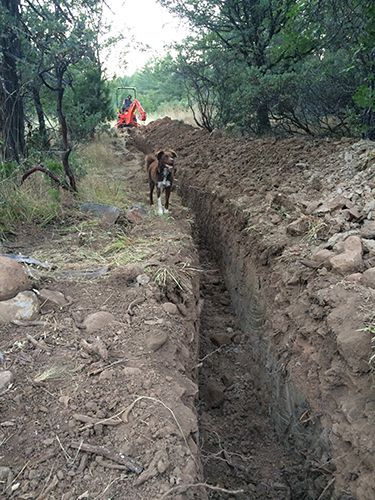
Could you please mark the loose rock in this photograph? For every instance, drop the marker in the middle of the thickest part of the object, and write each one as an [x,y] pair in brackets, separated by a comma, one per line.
[52,299]
[368,229]
[13,278]
[156,341]
[6,378]
[170,308]
[298,227]
[98,321]
[24,307]
[350,261]
[368,277]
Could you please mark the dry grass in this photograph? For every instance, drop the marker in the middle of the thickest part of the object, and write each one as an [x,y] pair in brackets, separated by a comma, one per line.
[51,373]
[103,163]
[36,202]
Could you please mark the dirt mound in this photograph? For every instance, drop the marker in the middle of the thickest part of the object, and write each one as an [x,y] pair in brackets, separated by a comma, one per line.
[292,223]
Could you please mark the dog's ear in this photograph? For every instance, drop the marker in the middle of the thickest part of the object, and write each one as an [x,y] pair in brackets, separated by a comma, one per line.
[174,154]
[159,154]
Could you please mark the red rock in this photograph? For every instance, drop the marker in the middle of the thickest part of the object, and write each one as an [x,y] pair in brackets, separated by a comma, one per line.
[13,278]
[350,261]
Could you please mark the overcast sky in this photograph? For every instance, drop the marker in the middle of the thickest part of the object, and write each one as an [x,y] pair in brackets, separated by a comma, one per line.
[144,22]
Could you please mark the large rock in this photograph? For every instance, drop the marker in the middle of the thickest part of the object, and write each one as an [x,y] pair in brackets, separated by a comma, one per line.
[13,278]
[24,306]
[107,213]
[350,261]
[353,342]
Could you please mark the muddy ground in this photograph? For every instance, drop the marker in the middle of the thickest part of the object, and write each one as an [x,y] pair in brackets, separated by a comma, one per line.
[230,351]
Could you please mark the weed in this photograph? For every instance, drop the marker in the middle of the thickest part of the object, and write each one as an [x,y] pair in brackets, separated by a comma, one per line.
[173,276]
[52,373]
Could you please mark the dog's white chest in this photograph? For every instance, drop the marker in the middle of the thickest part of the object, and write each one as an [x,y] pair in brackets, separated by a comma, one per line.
[164,183]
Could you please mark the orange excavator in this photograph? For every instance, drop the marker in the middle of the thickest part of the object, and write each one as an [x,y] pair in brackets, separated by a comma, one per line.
[127,114]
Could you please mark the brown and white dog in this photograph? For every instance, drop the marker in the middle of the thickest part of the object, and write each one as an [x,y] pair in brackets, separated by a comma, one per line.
[161,169]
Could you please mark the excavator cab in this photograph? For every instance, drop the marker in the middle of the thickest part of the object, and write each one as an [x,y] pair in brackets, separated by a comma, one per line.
[127,115]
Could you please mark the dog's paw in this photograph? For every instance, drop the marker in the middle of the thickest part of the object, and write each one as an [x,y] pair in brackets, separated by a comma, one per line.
[166,211]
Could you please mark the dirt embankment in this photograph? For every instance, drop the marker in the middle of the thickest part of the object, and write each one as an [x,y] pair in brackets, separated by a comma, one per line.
[102,399]
[292,224]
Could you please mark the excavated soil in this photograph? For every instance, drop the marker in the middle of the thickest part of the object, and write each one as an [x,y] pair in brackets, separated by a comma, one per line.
[291,225]
[239,361]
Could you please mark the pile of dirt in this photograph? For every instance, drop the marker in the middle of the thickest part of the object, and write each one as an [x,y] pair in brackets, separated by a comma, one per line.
[100,396]
[292,223]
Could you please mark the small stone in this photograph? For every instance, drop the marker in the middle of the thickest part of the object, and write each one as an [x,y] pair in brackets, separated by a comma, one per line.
[368,229]
[162,466]
[98,321]
[221,338]
[13,278]
[52,299]
[6,378]
[127,274]
[368,277]
[156,341]
[354,278]
[170,308]
[369,246]
[136,214]
[298,227]
[143,279]
[130,371]
[24,306]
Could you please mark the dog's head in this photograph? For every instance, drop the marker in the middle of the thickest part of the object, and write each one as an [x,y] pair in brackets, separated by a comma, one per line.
[166,158]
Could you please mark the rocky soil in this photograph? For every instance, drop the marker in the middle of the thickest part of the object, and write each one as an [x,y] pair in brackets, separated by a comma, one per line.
[135,366]
[98,378]
[292,224]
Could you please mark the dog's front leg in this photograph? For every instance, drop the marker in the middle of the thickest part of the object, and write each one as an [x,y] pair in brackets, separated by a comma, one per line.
[167,195]
[160,206]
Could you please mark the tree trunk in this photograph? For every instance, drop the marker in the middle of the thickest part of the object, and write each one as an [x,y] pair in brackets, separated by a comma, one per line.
[263,119]
[40,114]
[12,125]
[64,128]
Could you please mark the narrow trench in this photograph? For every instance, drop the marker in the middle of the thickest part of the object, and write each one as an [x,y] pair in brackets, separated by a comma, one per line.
[240,450]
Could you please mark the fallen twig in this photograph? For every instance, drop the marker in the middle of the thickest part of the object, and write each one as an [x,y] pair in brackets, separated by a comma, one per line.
[106,367]
[184,487]
[120,458]
[91,421]
[18,322]
[330,483]
[37,343]
[134,303]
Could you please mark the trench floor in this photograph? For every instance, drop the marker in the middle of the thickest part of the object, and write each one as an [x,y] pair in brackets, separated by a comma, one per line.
[240,450]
